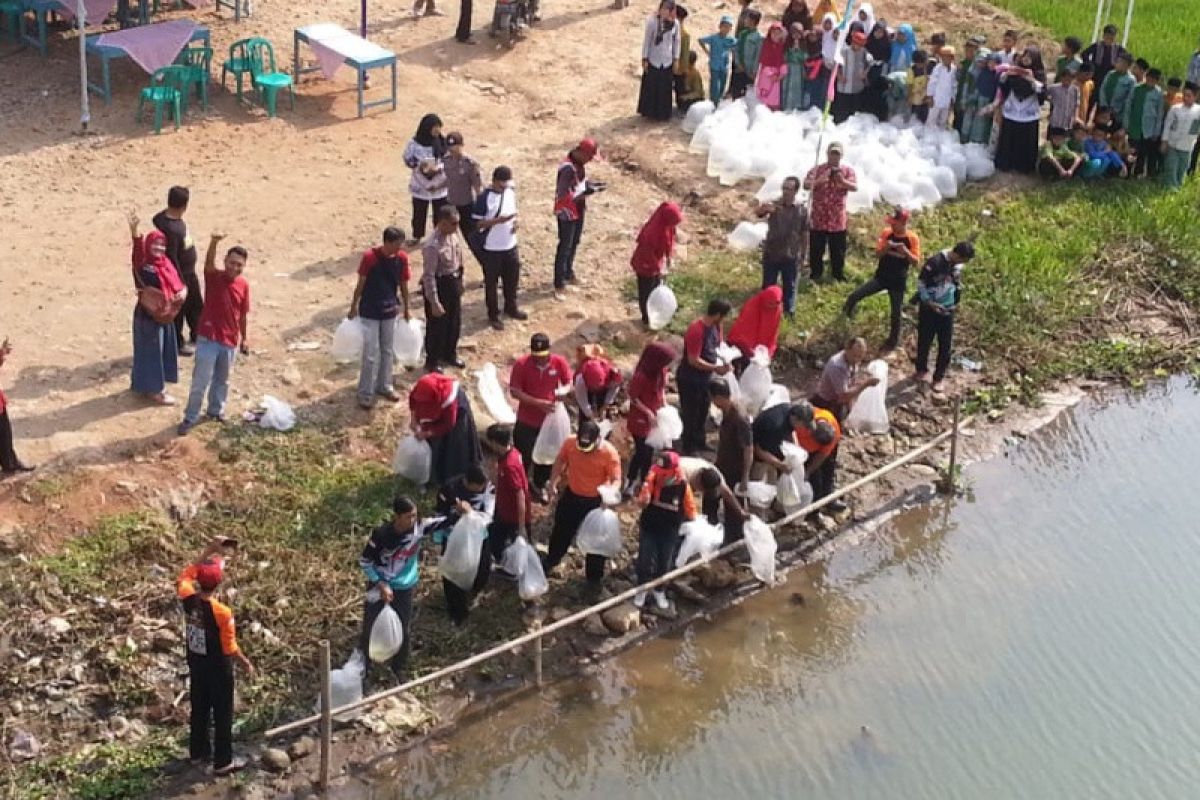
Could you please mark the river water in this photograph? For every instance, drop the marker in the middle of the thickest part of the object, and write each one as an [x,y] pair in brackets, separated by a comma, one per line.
[1037,641]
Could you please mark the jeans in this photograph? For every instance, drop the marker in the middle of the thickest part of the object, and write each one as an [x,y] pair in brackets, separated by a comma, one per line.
[421,212]
[211,691]
[930,324]
[501,267]
[717,78]
[192,306]
[569,234]
[645,286]
[694,401]
[209,373]
[568,516]
[836,240]
[524,438]
[375,374]
[656,551]
[402,603]
[785,268]
[895,295]
[1175,167]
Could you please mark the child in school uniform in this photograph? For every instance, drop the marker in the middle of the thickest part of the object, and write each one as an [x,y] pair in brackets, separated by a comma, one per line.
[1083,79]
[745,53]
[1148,110]
[693,84]
[719,47]
[1104,161]
[941,90]
[918,85]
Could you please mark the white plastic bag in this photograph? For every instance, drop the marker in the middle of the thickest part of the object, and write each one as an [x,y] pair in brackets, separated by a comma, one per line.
[869,413]
[761,545]
[661,306]
[600,533]
[728,353]
[532,583]
[699,539]
[493,396]
[760,494]
[556,427]
[413,460]
[755,382]
[460,562]
[777,396]
[387,635]
[347,342]
[795,457]
[346,686]
[278,414]
[609,495]
[513,559]
[409,341]
[787,492]
[748,235]
[668,426]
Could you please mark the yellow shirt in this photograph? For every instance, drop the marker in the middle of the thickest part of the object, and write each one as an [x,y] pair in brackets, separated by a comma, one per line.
[1085,97]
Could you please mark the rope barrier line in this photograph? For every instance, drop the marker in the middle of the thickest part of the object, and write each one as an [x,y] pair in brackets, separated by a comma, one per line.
[618,599]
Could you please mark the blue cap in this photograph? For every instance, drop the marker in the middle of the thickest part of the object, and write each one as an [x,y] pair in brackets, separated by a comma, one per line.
[726,19]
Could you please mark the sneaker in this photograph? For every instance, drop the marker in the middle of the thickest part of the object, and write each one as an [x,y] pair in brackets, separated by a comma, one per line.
[517,314]
[230,768]
[184,427]
[559,296]
[660,600]
[639,599]
[468,40]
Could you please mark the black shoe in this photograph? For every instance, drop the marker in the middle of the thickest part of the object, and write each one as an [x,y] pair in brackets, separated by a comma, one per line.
[18,468]
[468,40]
[517,314]
[431,368]
[457,363]
[496,323]
[837,507]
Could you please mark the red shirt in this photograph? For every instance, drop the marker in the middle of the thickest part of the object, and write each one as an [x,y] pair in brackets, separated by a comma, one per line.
[828,204]
[652,395]
[510,479]
[540,382]
[647,260]
[226,304]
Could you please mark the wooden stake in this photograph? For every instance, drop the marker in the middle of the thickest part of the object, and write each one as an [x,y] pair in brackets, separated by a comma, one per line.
[537,656]
[952,476]
[326,716]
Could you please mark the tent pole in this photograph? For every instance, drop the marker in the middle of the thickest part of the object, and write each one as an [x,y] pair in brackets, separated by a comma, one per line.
[1099,15]
[84,110]
[363,27]
[1128,23]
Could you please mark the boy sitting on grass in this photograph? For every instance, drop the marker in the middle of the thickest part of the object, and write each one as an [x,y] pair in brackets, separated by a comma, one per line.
[1057,161]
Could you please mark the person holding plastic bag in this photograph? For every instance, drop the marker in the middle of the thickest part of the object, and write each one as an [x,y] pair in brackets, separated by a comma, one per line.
[717,500]
[840,384]
[735,438]
[513,510]
[652,257]
[585,464]
[380,295]
[468,492]
[597,382]
[771,428]
[819,434]
[647,394]
[391,562]
[757,325]
[535,381]
[696,369]
[667,502]
[440,414]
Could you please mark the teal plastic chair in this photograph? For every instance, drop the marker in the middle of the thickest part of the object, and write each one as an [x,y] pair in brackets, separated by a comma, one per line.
[167,86]
[238,63]
[267,79]
[11,13]
[198,61]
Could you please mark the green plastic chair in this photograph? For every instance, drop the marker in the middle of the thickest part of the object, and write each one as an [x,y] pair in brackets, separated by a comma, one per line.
[239,62]
[198,61]
[11,12]
[267,80]
[167,86]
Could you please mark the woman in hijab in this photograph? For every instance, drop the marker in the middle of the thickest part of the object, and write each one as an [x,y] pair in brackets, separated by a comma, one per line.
[1020,111]
[596,382]
[879,45]
[818,85]
[660,57]
[768,83]
[757,325]
[797,13]
[423,156]
[825,8]
[978,127]
[161,293]
[647,394]
[903,47]
[652,257]
[668,503]
[865,18]
[796,58]
[440,413]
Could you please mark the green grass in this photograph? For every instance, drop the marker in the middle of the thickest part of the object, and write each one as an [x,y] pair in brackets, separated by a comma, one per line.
[1164,32]
[109,772]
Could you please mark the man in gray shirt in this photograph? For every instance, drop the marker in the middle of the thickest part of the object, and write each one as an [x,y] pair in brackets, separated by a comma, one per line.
[838,387]
[441,283]
[787,239]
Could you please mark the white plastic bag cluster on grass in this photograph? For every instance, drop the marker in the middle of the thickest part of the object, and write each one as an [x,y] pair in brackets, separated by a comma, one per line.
[413,460]
[556,427]
[661,306]
[277,415]
[408,343]
[347,344]
[755,383]
[460,562]
[600,533]
[387,635]
[494,401]
[896,163]
[869,413]
[700,538]
[761,545]
[668,426]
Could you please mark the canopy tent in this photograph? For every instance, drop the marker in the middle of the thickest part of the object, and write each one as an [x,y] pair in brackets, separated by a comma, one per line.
[1104,10]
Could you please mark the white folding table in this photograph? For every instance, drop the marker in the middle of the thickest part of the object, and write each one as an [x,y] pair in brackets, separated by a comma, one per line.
[334,46]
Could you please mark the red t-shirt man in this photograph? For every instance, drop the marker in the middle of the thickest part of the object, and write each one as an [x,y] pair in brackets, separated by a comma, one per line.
[226,306]
[540,377]
[512,483]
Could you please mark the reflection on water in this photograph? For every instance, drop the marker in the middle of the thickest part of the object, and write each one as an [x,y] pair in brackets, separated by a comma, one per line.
[1039,642]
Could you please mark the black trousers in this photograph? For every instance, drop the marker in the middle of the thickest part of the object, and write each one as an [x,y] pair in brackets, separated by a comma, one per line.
[524,438]
[694,401]
[568,516]
[1149,157]
[823,478]
[402,604]
[463,32]
[458,600]
[211,691]
[8,456]
[817,242]
[657,546]
[735,517]
[466,227]
[639,463]
[895,295]
[1195,158]
[644,287]
[421,212]
[441,333]
[192,306]
[569,234]
[931,324]
[501,267]
[739,82]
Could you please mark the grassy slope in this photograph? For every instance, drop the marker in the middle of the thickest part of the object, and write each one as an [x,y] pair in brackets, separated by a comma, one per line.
[1164,32]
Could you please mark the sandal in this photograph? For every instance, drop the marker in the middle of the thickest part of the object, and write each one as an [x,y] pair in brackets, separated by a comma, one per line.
[164,399]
